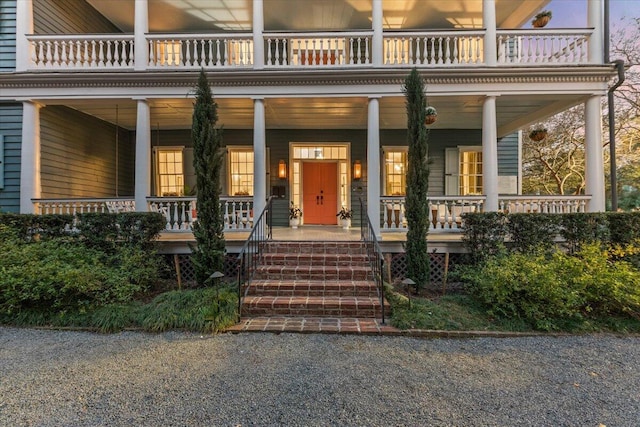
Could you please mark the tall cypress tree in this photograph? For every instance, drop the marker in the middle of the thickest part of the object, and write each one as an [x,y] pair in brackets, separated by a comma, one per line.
[208,255]
[417,206]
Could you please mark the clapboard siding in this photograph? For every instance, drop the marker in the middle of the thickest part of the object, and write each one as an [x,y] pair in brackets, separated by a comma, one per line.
[7,35]
[78,156]
[11,129]
[69,17]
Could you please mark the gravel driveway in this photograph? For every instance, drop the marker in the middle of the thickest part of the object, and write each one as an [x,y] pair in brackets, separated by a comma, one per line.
[51,378]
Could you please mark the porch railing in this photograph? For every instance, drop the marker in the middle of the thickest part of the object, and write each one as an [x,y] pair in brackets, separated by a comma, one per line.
[87,51]
[196,51]
[182,212]
[251,253]
[79,206]
[374,254]
[428,49]
[445,212]
[531,47]
[318,49]
[544,204]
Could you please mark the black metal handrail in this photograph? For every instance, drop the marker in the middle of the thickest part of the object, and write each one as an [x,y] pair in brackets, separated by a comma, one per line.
[251,252]
[374,253]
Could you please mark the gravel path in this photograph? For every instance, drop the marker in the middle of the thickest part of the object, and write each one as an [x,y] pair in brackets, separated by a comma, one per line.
[50,378]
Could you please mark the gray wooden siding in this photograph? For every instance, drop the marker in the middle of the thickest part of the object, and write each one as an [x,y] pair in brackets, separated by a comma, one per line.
[78,155]
[7,35]
[69,17]
[11,129]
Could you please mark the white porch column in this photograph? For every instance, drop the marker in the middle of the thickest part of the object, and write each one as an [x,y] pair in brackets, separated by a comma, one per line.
[377,40]
[30,178]
[594,162]
[141,27]
[373,164]
[143,155]
[259,157]
[490,154]
[489,24]
[24,26]
[595,20]
[258,38]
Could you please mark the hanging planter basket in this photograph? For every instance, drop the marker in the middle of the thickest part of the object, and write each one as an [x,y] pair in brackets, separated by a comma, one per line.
[541,19]
[431,115]
[538,134]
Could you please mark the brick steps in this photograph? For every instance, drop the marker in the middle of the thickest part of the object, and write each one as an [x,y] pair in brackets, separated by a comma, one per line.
[314,259]
[313,288]
[311,272]
[312,306]
[306,280]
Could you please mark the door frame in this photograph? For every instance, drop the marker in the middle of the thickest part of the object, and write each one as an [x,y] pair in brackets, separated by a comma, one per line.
[296,173]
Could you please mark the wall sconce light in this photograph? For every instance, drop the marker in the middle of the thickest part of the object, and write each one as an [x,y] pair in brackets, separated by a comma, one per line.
[282,170]
[357,170]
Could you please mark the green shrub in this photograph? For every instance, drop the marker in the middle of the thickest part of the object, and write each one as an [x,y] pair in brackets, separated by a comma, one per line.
[38,227]
[484,234]
[532,232]
[546,290]
[580,228]
[59,275]
[624,227]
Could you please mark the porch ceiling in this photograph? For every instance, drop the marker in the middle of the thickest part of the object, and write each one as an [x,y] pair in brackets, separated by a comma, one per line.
[310,15]
[454,112]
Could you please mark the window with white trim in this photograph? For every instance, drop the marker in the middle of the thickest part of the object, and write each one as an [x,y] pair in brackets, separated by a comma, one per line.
[470,178]
[170,172]
[395,171]
[240,169]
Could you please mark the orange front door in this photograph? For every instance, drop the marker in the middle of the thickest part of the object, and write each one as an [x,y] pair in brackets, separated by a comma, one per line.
[320,192]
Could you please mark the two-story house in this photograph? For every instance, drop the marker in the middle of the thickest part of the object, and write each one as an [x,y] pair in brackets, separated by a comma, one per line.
[96,100]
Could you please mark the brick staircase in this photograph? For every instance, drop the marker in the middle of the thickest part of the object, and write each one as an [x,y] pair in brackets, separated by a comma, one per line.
[313,280]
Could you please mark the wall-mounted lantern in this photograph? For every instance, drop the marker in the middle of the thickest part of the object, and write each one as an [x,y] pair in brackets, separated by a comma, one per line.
[357,170]
[282,170]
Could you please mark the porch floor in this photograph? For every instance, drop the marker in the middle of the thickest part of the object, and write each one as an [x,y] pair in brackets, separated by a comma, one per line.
[319,233]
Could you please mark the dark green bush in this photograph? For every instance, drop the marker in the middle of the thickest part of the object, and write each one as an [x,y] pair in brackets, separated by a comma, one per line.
[579,228]
[106,231]
[484,234]
[59,275]
[546,290]
[38,227]
[624,227]
[532,232]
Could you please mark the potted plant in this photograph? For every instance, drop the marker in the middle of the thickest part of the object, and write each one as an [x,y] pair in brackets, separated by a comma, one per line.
[538,133]
[541,19]
[431,115]
[294,216]
[345,217]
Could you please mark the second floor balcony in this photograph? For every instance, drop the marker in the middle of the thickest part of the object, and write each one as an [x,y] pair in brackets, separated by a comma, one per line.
[308,50]
[156,35]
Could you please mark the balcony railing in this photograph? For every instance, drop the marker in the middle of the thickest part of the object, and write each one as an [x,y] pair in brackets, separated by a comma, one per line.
[544,204]
[87,52]
[318,49]
[196,51]
[426,49]
[530,47]
[433,49]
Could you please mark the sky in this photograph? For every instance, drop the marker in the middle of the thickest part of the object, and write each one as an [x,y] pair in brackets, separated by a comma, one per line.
[573,13]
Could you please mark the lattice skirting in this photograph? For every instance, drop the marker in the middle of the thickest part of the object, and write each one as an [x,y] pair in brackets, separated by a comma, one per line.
[185,273]
[439,266]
